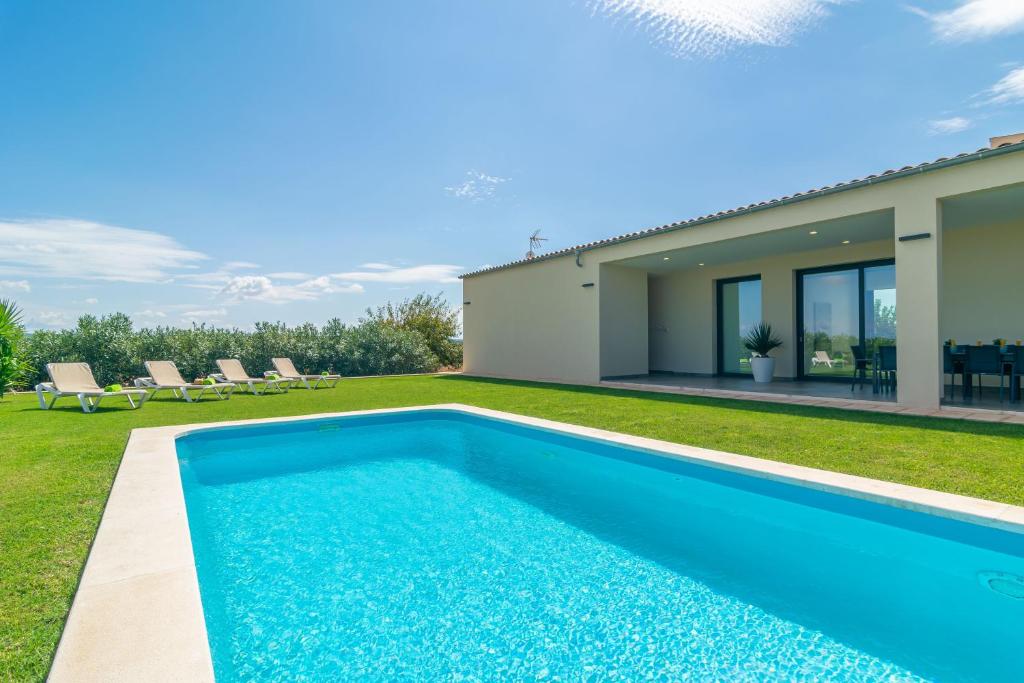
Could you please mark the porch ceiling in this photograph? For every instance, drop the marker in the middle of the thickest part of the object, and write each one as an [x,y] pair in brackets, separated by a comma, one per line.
[988,207]
[867,227]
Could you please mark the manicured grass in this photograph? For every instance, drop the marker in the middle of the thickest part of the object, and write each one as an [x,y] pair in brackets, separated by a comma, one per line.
[56,467]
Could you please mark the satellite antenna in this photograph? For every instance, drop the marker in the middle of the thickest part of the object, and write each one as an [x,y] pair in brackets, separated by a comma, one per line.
[536,242]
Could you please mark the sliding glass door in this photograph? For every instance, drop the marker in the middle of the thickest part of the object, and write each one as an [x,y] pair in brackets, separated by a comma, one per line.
[739,309]
[843,306]
[879,307]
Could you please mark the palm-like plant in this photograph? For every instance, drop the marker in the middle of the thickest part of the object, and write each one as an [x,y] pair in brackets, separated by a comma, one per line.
[12,368]
[761,340]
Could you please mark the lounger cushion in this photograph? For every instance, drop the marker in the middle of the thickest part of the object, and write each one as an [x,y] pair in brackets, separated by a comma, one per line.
[233,371]
[165,374]
[285,366]
[73,378]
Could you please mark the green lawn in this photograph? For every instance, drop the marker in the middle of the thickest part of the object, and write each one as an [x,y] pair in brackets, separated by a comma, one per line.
[56,467]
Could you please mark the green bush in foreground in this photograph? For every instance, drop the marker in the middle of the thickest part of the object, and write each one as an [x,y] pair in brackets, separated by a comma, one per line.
[12,367]
[410,337]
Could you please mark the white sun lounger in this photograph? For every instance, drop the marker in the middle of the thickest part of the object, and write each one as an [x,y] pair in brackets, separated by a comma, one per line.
[75,379]
[285,368]
[163,374]
[822,358]
[232,371]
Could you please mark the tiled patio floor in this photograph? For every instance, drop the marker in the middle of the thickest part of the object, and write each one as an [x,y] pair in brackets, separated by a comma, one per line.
[820,394]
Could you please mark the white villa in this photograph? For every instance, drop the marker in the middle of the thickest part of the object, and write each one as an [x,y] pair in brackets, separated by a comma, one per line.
[941,243]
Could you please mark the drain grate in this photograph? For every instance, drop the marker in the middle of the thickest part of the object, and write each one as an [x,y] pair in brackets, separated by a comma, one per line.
[1010,585]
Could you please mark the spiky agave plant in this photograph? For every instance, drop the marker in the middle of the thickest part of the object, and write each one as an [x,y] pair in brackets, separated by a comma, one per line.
[761,340]
[12,368]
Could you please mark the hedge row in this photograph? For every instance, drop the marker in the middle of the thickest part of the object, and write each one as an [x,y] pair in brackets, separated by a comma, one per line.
[415,336]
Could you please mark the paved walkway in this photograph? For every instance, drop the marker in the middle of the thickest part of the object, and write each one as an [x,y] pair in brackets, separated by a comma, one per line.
[819,394]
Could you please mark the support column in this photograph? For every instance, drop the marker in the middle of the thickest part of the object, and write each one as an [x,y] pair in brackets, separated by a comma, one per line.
[918,302]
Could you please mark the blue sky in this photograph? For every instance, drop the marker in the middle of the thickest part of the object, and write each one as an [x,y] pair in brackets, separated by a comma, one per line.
[231,162]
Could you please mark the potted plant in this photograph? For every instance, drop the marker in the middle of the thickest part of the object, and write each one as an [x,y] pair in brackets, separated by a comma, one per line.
[760,342]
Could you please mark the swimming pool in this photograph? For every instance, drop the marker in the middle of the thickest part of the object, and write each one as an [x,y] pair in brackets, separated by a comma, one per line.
[438,544]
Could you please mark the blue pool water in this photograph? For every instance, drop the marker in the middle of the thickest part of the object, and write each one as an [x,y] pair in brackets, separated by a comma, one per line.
[437,545]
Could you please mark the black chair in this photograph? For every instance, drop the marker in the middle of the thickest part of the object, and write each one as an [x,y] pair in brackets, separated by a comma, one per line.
[1016,356]
[860,366]
[951,363]
[985,360]
[886,369]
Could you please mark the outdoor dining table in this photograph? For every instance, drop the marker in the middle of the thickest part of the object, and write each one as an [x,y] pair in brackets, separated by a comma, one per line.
[959,358]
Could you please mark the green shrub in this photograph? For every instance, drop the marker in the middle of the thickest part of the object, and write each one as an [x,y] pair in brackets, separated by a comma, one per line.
[13,368]
[432,318]
[408,338]
[378,348]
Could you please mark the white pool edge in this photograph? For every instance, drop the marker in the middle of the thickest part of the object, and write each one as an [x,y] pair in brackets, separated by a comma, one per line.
[137,613]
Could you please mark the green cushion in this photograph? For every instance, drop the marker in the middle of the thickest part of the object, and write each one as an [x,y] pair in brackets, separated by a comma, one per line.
[112,388]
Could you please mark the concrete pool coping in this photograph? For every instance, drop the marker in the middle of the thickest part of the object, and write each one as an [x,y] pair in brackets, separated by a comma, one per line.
[137,613]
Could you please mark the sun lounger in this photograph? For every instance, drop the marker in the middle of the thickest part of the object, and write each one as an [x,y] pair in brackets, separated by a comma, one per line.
[822,358]
[163,374]
[285,368]
[232,371]
[75,379]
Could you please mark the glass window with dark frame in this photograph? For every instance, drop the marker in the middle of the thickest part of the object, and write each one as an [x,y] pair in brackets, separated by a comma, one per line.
[842,307]
[739,309]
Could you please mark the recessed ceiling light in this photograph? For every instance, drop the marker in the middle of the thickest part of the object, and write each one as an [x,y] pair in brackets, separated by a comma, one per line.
[846,241]
[814,232]
[666,258]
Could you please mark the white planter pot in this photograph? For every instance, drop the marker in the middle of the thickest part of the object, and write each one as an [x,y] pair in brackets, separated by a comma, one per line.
[763,368]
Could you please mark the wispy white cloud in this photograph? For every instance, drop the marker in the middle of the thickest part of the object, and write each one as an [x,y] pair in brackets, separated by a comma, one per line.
[289,275]
[92,301]
[203,315]
[15,286]
[287,286]
[47,318]
[477,187]
[262,289]
[79,249]
[431,273]
[975,19]
[705,28]
[949,126]
[149,314]
[1008,90]
[215,280]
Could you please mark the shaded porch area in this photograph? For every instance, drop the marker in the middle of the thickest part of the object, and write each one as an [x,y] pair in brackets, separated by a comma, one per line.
[677,319]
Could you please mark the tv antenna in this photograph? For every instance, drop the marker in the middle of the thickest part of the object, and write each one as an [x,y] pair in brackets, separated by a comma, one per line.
[536,242]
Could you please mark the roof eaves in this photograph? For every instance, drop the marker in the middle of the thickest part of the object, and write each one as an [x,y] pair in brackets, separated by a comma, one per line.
[874,178]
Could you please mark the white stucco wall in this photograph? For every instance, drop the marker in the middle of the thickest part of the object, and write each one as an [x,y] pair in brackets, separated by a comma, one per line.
[623,310]
[981,286]
[536,321]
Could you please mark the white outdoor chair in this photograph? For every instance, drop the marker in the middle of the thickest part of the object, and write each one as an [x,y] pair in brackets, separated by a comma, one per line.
[285,368]
[232,371]
[822,358]
[75,379]
[164,374]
